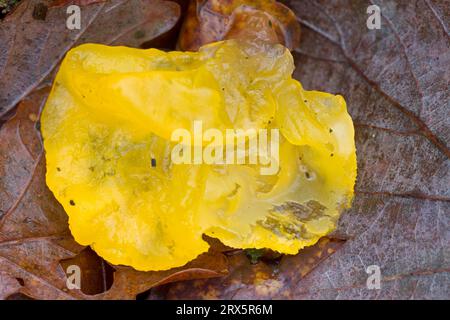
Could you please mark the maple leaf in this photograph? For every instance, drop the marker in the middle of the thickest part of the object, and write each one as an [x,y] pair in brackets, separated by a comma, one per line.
[35,242]
[396,82]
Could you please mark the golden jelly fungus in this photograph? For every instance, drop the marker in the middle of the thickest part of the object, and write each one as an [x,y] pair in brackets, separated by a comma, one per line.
[107,128]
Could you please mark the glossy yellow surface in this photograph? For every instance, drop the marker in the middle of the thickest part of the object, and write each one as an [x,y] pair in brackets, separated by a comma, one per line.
[113,109]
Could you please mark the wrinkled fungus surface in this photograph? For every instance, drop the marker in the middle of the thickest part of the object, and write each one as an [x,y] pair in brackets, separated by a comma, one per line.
[107,126]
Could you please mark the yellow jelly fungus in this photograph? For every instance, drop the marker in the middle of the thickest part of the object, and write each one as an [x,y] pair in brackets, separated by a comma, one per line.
[107,128]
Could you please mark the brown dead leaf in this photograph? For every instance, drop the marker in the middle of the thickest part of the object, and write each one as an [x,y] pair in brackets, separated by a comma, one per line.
[8,285]
[34,38]
[97,274]
[396,83]
[265,279]
[58,3]
[213,20]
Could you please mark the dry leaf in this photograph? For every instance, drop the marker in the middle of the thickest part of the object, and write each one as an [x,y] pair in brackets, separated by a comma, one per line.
[269,278]
[213,20]
[34,38]
[396,82]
